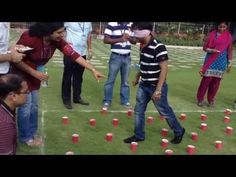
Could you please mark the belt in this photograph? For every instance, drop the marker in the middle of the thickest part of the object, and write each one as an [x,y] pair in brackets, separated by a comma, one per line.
[124,55]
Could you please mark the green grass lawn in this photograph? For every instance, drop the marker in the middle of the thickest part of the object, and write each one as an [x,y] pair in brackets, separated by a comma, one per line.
[183,80]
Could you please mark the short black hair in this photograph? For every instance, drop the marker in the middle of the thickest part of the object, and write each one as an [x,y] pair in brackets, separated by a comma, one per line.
[142,26]
[218,23]
[10,83]
[41,29]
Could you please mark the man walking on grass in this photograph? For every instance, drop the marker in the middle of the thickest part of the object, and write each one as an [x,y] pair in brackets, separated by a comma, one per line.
[152,86]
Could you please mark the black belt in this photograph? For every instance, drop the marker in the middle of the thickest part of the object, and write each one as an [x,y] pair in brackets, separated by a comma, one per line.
[124,55]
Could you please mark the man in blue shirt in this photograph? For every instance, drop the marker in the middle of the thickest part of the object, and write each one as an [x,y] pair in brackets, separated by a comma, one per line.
[78,34]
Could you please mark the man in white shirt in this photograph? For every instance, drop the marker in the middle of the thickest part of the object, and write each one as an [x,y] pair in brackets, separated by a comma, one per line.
[7,55]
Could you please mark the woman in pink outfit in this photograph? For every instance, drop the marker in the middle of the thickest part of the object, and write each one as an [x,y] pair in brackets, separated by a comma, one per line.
[218,47]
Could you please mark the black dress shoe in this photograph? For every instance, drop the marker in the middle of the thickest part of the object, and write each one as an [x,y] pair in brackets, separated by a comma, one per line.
[81,102]
[68,105]
[132,139]
[178,139]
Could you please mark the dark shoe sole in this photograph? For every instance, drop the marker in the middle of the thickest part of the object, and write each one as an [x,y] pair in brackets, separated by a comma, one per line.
[180,138]
[68,106]
[81,102]
[128,140]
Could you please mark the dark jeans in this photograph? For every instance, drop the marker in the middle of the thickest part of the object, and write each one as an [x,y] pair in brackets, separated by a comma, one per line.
[72,75]
[143,97]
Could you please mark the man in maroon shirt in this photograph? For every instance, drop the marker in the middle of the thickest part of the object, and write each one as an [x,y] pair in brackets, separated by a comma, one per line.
[13,91]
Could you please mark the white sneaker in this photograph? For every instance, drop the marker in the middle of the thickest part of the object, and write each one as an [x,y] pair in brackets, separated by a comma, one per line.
[127,105]
[105,106]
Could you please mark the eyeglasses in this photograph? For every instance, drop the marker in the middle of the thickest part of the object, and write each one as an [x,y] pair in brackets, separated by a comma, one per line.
[25,92]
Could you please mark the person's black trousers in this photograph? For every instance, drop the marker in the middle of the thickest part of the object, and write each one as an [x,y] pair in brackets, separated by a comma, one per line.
[72,75]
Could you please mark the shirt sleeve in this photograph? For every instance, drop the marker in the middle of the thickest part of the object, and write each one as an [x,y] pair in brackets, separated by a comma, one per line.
[90,27]
[6,137]
[108,30]
[161,52]
[25,39]
[67,50]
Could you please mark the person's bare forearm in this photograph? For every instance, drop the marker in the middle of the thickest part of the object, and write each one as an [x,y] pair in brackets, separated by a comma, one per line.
[89,41]
[163,75]
[5,57]
[26,68]
[108,40]
[85,64]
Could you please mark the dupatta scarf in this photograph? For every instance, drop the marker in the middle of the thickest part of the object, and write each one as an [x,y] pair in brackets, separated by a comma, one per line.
[221,43]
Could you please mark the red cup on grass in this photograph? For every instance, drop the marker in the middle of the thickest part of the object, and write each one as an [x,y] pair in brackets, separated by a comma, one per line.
[164,132]
[203,126]
[109,137]
[75,138]
[115,122]
[133,146]
[227,112]
[226,119]
[203,117]
[150,120]
[164,143]
[168,152]
[194,136]
[229,130]
[183,116]
[129,112]
[92,122]
[191,149]
[70,153]
[218,144]
[65,120]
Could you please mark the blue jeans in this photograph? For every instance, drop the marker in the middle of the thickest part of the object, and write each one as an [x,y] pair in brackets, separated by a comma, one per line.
[27,117]
[118,63]
[143,97]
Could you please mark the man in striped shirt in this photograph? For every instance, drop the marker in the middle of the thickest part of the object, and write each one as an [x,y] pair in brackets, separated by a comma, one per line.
[118,34]
[152,86]
[13,91]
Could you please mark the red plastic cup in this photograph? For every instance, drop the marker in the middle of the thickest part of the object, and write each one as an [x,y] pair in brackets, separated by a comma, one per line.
[75,138]
[70,153]
[92,122]
[191,149]
[227,112]
[203,126]
[109,136]
[168,152]
[162,117]
[229,130]
[164,143]
[164,132]
[226,119]
[218,144]
[65,120]
[150,120]
[133,146]
[115,122]
[203,117]
[129,112]
[194,136]
[183,116]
